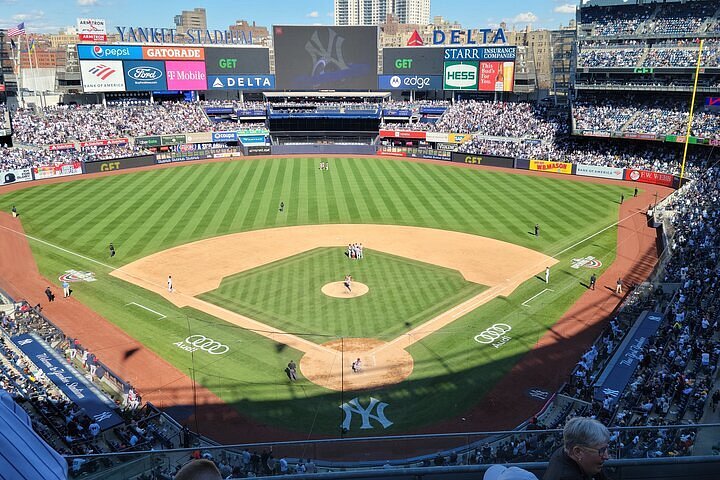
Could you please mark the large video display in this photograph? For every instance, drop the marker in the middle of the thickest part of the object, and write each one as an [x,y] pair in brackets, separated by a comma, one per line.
[324,57]
[413,60]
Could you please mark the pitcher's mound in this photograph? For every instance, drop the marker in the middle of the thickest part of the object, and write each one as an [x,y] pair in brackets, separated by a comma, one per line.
[338,290]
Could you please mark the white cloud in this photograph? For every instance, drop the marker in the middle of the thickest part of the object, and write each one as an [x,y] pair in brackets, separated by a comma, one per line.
[526,17]
[24,17]
[567,8]
[87,3]
[313,14]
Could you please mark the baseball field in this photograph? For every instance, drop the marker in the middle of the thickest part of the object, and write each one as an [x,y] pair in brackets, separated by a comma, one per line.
[455,290]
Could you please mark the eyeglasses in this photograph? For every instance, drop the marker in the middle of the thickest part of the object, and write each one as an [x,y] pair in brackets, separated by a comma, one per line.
[603,452]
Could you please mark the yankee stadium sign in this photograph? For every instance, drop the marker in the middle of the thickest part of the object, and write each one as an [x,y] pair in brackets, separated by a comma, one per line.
[194,36]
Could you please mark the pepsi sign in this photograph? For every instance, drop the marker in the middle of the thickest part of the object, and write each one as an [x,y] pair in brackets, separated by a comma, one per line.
[109,52]
[410,82]
[145,76]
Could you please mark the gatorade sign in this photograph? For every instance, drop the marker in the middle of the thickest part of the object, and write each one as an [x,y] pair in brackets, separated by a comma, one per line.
[460,76]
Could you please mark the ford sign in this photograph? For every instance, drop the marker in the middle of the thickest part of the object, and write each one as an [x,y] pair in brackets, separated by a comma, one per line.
[145,73]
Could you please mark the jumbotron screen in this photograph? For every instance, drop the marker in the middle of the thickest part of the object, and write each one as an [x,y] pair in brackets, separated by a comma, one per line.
[325,58]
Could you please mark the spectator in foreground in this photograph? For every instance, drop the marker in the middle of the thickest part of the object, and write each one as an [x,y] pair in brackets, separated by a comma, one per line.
[500,472]
[201,469]
[584,450]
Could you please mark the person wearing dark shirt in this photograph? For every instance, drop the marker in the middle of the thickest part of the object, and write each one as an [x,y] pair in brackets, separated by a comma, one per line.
[584,450]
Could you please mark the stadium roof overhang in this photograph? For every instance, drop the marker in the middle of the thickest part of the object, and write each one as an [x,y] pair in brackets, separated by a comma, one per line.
[316,94]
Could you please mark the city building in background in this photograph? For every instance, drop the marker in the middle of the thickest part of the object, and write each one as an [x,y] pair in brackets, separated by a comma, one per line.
[191,20]
[375,12]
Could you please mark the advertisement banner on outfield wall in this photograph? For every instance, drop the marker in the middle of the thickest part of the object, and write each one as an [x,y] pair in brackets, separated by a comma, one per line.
[253,151]
[600,172]
[437,137]
[172,139]
[199,137]
[120,164]
[459,137]
[15,175]
[53,171]
[147,141]
[490,161]
[222,137]
[403,134]
[552,167]
[645,176]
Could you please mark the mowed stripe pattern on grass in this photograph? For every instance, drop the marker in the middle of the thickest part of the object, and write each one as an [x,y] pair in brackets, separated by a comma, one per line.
[286,294]
[149,211]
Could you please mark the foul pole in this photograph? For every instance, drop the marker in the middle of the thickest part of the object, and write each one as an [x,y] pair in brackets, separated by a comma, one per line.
[690,117]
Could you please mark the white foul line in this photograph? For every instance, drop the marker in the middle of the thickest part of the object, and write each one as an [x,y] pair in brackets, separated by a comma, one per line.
[148,309]
[524,304]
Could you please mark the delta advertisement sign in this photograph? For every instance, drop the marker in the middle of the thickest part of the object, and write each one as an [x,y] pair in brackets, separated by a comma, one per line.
[241,82]
[469,37]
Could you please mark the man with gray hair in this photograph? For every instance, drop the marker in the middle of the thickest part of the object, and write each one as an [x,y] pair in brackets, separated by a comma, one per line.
[584,450]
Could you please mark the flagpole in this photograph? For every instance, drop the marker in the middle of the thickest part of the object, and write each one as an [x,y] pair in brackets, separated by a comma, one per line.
[43,103]
[32,70]
[18,71]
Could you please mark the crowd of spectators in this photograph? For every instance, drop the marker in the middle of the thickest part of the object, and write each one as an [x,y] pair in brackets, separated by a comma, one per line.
[62,424]
[677,366]
[501,119]
[633,115]
[676,53]
[61,124]
[606,153]
[679,18]
[615,20]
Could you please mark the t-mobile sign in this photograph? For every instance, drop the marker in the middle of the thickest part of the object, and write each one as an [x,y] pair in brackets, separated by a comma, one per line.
[186,75]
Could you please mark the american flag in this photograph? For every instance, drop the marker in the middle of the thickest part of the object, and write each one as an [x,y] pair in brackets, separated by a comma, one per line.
[16,31]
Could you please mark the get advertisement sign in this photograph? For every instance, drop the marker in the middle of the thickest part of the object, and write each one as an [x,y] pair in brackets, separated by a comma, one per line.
[552,167]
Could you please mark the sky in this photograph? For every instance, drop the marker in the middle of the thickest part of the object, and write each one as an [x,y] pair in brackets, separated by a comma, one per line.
[51,16]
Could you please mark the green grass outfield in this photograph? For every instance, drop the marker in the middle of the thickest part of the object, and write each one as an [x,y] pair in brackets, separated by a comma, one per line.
[149,211]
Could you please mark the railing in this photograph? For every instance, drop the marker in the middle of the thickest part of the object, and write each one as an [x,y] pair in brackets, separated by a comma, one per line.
[401,455]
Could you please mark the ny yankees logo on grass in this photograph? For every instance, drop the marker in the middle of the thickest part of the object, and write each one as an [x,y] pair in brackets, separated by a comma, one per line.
[353,406]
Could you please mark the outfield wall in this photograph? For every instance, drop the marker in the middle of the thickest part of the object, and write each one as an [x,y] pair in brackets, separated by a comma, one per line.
[11,176]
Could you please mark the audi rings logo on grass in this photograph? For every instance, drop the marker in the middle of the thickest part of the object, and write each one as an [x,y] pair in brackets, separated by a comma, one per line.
[195,343]
[494,335]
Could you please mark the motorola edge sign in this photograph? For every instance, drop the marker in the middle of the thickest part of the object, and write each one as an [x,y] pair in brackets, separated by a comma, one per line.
[410,82]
